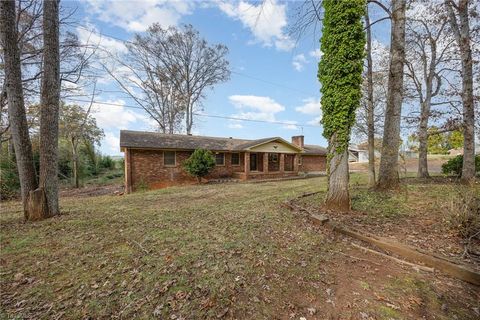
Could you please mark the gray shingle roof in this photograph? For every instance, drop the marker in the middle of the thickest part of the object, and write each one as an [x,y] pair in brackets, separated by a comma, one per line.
[312,149]
[156,140]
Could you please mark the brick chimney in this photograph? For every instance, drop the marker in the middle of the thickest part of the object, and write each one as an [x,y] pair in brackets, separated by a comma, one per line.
[298,141]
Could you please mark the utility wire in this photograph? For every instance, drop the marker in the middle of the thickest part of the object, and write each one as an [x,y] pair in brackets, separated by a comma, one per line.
[234,72]
[201,114]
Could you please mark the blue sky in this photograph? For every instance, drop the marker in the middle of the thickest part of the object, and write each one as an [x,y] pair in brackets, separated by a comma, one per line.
[273,76]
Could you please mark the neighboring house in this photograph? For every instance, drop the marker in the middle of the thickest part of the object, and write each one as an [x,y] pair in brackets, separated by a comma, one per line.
[357,155]
[155,160]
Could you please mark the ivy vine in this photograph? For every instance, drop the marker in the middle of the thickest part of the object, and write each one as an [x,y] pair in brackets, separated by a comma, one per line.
[340,69]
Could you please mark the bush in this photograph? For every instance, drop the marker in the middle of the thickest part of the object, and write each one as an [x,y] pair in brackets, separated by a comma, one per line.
[9,182]
[464,215]
[455,165]
[106,162]
[200,163]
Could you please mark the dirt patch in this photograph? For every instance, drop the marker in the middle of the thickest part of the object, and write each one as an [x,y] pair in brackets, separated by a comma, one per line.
[92,191]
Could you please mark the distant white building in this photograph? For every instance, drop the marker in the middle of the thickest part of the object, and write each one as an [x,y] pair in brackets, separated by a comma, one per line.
[357,155]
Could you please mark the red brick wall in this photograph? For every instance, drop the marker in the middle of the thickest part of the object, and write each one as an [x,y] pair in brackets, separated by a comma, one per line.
[313,163]
[147,169]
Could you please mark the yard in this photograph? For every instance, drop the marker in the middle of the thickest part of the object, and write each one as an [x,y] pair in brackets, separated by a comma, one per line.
[229,251]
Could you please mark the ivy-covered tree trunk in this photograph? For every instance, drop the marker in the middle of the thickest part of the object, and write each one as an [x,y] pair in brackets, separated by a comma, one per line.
[388,173]
[340,73]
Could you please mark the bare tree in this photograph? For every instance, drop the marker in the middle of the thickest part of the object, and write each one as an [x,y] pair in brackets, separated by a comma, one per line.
[430,51]
[188,62]
[43,201]
[143,77]
[370,106]
[459,22]
[388,173]
[16,107]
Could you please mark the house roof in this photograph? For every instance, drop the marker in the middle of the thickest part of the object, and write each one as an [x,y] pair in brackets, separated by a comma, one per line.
[156,140]
[312,149]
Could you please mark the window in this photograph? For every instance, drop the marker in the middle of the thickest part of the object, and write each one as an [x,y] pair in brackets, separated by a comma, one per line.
[220,159]
[235,159]
[273,157]
[169,158]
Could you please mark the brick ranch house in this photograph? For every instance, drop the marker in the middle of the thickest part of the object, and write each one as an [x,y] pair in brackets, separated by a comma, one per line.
[155,160]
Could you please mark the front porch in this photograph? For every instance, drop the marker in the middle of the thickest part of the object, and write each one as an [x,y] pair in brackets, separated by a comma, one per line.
[268,165]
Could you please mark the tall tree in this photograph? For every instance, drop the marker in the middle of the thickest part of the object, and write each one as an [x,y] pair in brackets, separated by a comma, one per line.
[49,106]
[430,50]
[77,125]
[188,62]
[340,73]
[459,21]
[15,100]
[388,173]
[370,104]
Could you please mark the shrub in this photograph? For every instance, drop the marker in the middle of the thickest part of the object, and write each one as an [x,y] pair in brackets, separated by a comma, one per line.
[200,163]
[9,182]
[455,165]
[464,215]
[106,162]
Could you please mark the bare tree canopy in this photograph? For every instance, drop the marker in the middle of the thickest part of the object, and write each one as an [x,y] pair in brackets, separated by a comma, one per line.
[167,72]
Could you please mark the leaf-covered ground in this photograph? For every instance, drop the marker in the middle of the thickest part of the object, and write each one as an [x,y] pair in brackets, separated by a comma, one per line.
[209,251]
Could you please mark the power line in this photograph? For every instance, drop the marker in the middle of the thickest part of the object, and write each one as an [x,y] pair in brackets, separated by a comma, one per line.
[201,114]
[234,72]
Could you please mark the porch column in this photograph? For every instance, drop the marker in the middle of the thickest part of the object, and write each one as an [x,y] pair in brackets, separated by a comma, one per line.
[295,162]
[128,171]
[265,162]
[282,162]
[247,164]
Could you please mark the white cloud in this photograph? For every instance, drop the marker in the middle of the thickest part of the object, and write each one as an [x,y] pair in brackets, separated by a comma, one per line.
[292,125]
[116,116]
[94,38]
[317,54]
[256,107]
[311,106]
[299,61]
[139,15]
[235,125]
[315,121]
[112,141]
[266,20]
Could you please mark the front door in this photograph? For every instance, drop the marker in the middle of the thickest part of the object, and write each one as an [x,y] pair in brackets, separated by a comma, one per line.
[253,162]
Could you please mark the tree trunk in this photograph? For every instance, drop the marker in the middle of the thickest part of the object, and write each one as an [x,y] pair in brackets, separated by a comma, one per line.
[423,143]
[461,31]
[388,173]
[76,182]
[338,197]
[370,107]
[49,101]
[16,106]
